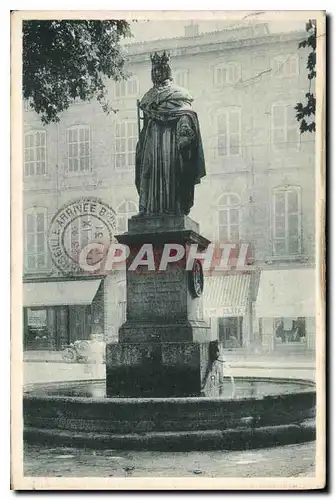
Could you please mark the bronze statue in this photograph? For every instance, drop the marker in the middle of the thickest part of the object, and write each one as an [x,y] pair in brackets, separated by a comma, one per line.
[169,153]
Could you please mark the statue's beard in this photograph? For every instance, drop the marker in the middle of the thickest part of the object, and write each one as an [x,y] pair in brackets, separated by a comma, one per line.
[163,79]
[162,83]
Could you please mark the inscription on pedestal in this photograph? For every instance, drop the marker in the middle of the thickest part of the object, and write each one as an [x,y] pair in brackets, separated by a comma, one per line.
[154,295]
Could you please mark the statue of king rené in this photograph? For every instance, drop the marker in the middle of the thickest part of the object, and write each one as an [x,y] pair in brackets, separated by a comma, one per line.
[169,153]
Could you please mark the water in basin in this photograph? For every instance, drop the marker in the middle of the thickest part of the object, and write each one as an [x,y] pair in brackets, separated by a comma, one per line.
[242,388]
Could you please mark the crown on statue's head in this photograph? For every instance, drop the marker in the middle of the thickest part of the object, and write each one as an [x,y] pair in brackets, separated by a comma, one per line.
[162,60]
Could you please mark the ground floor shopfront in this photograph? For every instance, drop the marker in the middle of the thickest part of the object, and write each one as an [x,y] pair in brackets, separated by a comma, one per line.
[285,310]
[228,306]
[266,310]
[59,311]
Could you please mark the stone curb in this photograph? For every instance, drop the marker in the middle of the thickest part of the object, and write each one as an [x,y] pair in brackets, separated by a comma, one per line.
[230,439]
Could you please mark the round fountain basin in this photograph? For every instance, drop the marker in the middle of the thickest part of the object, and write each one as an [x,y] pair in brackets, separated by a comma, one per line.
[244,388]
[259,412]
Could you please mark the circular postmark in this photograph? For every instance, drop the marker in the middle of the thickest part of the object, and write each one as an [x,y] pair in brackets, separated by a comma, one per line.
[86,225]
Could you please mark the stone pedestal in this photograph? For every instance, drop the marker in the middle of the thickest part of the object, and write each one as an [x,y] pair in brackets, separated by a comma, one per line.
[163,347]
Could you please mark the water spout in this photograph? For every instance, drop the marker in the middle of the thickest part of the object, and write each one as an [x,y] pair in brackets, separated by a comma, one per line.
[233,385]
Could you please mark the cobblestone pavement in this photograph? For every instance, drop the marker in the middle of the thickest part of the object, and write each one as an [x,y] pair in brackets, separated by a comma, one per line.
[285,461]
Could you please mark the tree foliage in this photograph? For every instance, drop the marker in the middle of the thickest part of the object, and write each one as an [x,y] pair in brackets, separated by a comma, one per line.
[307,109]
[65,61]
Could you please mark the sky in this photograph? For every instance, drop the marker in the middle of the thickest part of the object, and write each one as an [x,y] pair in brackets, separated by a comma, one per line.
[158,29]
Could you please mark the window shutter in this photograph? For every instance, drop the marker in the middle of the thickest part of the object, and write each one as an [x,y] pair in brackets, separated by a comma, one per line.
[286,222]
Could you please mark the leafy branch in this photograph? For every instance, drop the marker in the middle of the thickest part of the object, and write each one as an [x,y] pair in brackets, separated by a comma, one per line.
[65,61]
[307,109]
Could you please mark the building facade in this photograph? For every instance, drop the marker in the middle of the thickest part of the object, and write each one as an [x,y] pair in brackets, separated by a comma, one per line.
[259,190]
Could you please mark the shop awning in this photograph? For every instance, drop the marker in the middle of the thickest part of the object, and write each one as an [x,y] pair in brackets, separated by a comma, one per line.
[226,295]
[59,293]
[287,293]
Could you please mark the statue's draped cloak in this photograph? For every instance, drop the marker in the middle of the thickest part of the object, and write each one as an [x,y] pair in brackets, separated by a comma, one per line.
[169,154]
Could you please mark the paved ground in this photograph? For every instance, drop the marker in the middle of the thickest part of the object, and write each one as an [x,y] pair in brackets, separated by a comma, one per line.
[44,372]
[286,461]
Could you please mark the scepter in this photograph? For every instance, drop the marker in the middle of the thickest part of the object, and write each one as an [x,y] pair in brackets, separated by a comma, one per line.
[139,117]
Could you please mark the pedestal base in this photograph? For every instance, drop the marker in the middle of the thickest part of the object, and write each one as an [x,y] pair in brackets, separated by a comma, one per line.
[171,369]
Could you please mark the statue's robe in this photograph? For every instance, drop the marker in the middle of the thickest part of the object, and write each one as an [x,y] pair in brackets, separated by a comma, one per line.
[169,153]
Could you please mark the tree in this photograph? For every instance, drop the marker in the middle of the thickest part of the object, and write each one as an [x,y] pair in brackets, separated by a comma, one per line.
[64,61]
[307,109]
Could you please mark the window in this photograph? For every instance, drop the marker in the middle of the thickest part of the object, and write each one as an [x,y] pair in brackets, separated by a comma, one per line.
[229,217]
[37,331]
[126,140]
[79,150]
[285,129]
[226,74]
[127,88]
[52,328]
[124,212]
[286,65]
[36,239]
[290,330]
[230,331]
[229,132]
[181,78]
[35,153]
[286,221]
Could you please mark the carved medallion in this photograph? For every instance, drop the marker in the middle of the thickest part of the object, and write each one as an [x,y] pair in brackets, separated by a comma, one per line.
[196,279]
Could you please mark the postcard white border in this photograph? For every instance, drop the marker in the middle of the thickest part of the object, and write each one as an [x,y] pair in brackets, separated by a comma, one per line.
[20,482]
